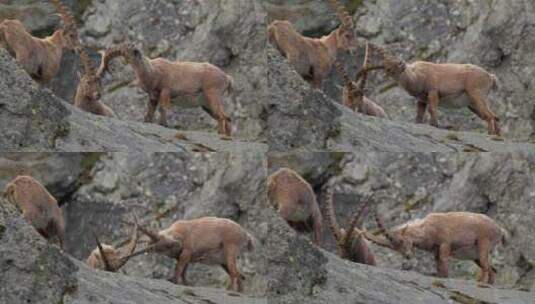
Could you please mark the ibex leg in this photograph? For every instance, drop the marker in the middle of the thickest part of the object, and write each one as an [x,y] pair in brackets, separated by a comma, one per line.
[432,107]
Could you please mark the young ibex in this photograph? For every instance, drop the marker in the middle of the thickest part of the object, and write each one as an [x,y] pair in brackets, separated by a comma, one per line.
[109,258]
[165,81]
[311,57]
[462,235]
[354,91]
[89,90]
[207,240]
[38,207]
[352,246]
[447,85]
[295,201]
[40,58]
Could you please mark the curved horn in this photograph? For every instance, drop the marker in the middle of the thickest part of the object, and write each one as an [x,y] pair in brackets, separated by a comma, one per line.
[129,249]
[65,14]
[108,55]
[142,251]
[89,69]
[331,217]
[354,222]
[151,234]
[344,16]
[365,64]
[388,59]
[380,223]
[102,254]
[379,241]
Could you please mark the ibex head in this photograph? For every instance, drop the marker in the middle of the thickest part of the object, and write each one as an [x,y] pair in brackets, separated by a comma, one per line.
[392,65]
[127,50]
[346,37]
[396,239]
[89,82]
[69,34]
[158,243]
[109,257]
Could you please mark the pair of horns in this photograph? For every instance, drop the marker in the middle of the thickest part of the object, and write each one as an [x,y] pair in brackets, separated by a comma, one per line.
[65,14]
[130,247]
[341,240]
[344,16]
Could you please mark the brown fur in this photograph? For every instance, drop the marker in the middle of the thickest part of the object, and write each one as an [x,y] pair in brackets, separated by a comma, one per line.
[446,85]
[295,201]
[353,92]
[89,90]
[463,235]
[313,58]
[114,259]
[40,58]
[38,207]
[207,240]
[353,247]
[165,81]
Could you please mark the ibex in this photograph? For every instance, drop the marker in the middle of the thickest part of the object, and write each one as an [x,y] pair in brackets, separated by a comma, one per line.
[353,245]
[207,240]
[353,92]
[462,235]
[295,201]
[107,257]
[89,90]
[38,206]
[40,58]
[447,85]
[165,80]
[313,58]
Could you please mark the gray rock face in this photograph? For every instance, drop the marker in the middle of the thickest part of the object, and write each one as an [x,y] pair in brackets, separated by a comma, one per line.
[411,185]
[494,35]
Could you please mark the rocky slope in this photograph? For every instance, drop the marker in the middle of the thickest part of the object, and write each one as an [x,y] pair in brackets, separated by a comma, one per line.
[496,35]
[410,185]
[284,268]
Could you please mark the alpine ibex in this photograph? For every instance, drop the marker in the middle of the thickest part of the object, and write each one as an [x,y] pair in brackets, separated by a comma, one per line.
[447,85]
[107,257]
[313,58]
[89,90]
[295,201]
[165,81]
[354,91]
[462,235]
[353,245]
[38,206]
[40,58]
[207,240]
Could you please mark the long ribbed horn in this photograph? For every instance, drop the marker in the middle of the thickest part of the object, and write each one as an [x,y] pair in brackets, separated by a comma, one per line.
[380,223]
[388,59]
[69,22]
[89,69]
[344,16]
[130,248]
[108,55]
[331,216]
[353,224]
[151,234]
[107,264]
[365,64]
